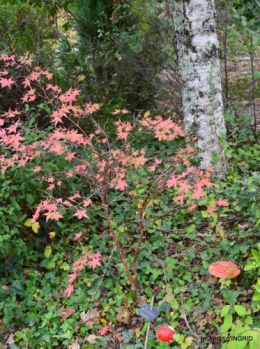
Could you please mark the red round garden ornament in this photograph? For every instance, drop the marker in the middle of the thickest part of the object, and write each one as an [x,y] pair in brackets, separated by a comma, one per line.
[165,333]
[224,270]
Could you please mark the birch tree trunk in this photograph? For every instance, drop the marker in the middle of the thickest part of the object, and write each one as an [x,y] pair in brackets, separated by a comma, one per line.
[199,64]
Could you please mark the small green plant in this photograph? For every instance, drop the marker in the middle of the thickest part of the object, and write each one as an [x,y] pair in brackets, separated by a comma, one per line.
[237,330]
[254,265]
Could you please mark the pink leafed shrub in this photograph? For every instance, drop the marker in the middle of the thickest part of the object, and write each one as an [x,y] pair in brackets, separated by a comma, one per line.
[105,164]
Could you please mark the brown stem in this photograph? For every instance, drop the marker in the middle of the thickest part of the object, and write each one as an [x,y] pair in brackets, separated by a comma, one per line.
[132,280]
[141,234]
[253,87]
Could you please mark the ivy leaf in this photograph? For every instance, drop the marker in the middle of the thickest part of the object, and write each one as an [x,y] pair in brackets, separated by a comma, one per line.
[250,266]
[256,296]
[256,75]
[35,227]
[240,310]
[47,251]
[227,323]
[225,310]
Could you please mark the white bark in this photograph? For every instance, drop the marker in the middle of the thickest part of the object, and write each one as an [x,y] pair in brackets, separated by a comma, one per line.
[199,64]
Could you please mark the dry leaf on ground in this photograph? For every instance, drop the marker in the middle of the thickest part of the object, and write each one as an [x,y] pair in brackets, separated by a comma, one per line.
[92,338]
[123,315]
[65,313]
[91,318]
[74,344]
[141,300]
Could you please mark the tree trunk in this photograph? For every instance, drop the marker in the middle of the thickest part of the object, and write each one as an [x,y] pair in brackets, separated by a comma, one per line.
[199,64]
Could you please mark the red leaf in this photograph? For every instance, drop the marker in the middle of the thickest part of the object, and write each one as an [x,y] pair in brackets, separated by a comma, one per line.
[197,193]
[180,198]
[69,96]
[94,263]
[80,214]
[121,184]
[53,215]
[104,330]
[14,140]
[222,202]
[87,202]
[69,290]
[91,108]
[211,209]
[78,235]
[192,207]
[6,82]
[37,169]
[204,182]
[72,278]
[184,187]
[172,182]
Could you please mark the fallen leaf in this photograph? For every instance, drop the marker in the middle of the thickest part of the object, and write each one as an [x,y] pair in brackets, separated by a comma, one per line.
[146,114]
[123,315]
[189,340]
[81,78]
[118,338]
[141,300]
[10,339]
[5,287]
[65,313]
[52,234]
[74,344]
[104,330]
[91,318]
[92,338]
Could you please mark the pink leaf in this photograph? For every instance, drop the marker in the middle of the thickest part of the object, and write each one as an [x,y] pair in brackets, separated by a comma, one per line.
[172,182]
[94,263]
[97,255]
[211,209]
[78,235]
[184,187]
[121,184]
[53,215]
[87,202]
[80,214]
[37,169]
[222,202]
[72,278]
[192,207]
[6,82]
[69,290]
[104,330]
[197,194]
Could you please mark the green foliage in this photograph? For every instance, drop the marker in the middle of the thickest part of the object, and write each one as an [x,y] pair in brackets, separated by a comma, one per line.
[178,244]
[254,265]
[26,28]
[241,328]
[18,192]
[120,54]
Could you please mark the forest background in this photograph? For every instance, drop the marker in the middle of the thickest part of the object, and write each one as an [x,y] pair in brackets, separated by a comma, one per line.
[104,207]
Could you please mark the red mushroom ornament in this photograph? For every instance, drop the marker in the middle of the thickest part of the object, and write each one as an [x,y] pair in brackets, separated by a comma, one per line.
[165,333]
[224,270]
